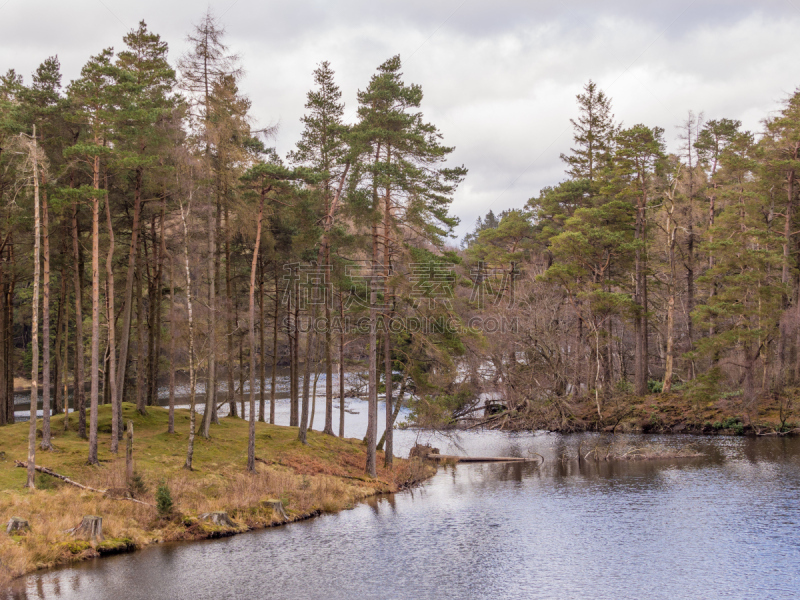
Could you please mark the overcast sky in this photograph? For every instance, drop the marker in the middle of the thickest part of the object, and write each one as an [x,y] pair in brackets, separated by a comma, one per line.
[499,78]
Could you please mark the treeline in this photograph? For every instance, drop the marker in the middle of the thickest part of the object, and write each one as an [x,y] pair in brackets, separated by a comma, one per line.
[149,233]
[646,271]
[147,229]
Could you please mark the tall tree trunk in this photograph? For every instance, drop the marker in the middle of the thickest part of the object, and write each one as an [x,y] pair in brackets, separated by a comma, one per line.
[116,402]
[303,432]
[172,333]
[78,391]
[95,349]
[787,247]
[640,372]
[251,443]
[341,367]
[57,372]
[262,363]
[46,443]
[192,370]
[314,392]
[295,409]
[141,338]
[668,366]
[156,297]
[31,483]
[217,231]
[274,355]
[230,321]
[372,409]
[127,311]
[294,418]
[5,401]
[690,285]
[396,410]
[387,317]
[65,376]
[211,380]
[10,347]
[330,210]
[241,364]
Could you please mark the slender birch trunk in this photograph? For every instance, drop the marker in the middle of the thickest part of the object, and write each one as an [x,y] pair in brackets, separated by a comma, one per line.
[251,443]
[31,483]
[95,349]
[192,371]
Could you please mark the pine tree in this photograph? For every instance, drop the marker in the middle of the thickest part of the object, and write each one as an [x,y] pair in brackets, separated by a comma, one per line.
[94,101]
[594,133]
[401,169]
[323,148]
[206,65]
[638,154]
[745,311]
[781,166]
[144,130]
[45,108]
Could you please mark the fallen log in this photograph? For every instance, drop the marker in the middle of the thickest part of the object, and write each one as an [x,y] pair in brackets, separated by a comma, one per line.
[471,459]
[65,479]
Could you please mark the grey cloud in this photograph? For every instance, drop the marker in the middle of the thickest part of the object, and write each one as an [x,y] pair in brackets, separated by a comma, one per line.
[499,78]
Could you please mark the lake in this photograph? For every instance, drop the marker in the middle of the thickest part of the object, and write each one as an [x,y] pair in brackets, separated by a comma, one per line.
[721,526]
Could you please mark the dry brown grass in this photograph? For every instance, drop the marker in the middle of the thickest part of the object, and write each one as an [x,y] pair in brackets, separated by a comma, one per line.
[324,476]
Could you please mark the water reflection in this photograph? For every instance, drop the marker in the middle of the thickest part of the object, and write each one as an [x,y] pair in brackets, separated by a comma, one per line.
[723,525]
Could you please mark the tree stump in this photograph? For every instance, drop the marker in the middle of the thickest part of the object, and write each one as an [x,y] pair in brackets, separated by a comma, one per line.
[218,518]
[277,508]
[17,524]
[91,529]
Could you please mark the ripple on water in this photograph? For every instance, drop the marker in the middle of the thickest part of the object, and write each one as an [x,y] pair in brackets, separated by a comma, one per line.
[722,526]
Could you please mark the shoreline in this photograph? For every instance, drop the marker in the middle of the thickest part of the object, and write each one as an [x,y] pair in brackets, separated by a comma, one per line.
[324,477]
[673,413]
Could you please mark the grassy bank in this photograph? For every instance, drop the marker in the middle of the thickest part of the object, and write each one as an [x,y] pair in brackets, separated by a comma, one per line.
[324,476]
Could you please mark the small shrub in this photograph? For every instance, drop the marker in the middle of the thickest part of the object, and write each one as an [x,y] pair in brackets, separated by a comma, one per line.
[624,386]
[731,422]
[655,387]
[164,503]
[137,486]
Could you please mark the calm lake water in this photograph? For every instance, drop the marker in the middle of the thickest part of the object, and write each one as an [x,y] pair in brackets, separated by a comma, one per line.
[723,526]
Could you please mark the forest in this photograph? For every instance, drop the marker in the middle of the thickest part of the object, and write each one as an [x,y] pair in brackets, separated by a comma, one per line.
[151,238]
